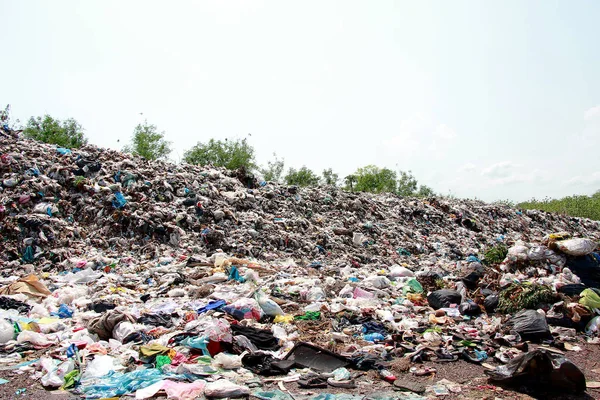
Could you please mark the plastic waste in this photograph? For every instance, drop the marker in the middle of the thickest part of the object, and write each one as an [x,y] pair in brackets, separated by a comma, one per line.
[444,298]
[227,361]
[55,374]
[540,370]
[270,308]
[99,366]
[577,246]
[530,324]
[590,298]
[223,388]
[593,327]
[7,331]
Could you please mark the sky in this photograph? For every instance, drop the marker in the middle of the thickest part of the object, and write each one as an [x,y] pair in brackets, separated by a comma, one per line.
[480,99]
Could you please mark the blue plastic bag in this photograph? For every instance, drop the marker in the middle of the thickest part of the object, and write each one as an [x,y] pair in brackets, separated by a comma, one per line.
[119,201]
[63,312]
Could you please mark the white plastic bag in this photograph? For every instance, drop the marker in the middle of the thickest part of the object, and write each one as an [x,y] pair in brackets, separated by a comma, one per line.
[577,247]
[7,331]
[223,388]
[227,361]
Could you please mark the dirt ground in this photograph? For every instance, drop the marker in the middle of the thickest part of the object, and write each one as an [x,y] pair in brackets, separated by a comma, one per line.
[473,382]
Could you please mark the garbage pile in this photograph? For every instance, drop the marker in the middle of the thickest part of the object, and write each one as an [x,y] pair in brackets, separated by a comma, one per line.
[122,276]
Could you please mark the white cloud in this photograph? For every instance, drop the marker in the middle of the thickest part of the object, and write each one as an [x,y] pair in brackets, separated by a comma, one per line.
[499,170]
[468,167]
[585,180]
[592,113]
[443,131]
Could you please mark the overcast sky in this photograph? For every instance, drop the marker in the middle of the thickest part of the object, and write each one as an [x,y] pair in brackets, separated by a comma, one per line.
[495,100]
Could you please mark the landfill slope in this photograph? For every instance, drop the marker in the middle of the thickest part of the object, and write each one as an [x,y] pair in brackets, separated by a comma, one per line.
[122,276]
[65,206]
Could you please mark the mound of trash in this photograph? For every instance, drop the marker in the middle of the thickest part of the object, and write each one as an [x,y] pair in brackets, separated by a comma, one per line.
[122,276]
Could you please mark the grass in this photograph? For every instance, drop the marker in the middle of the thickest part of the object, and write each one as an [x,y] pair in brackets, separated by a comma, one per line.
[575,206]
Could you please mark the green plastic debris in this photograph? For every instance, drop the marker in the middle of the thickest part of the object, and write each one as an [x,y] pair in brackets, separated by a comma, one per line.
[71,379]
[308,316]
[403,252]
[162,360]
[412,286]
[590,299]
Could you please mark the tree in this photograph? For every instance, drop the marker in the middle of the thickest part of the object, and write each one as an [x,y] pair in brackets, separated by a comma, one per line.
[407,184]
[374,179]
[147,142]
[330,177]
[350,181]
[67,133]
[425,191]
[301,177]
[274,170]
[231,154]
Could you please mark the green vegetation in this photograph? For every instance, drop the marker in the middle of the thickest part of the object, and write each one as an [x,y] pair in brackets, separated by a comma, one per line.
[373,179]
[147,142]
[495,255]
[274,170]
[231,154]
[519,296]
[301,177]
[67,133]
[330,177]
[575,206]
[378,180]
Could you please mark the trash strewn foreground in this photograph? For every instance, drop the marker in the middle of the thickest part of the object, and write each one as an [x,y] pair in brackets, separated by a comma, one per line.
[125,277]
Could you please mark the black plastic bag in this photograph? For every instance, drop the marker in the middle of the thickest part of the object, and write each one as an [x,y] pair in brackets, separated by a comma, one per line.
[573,289]
[587,268]
[491,302]
[530,324]
[311,356]
[469,308]
[443,298]
[540,370]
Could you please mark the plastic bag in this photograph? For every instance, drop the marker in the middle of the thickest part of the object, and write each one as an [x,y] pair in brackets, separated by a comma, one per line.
[223,388]
[587,268]
[593,327]
[541,370]
[227,361]
[7,331]
[577,247]
[530,324]
[55,374]
[491,303]
[398,271]
[244,308]
[270,308]
[590,299]
[469,308]
[443,298]
[35,338]
[378,282]
[100,366]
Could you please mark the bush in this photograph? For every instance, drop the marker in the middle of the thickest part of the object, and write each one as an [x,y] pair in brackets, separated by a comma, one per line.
[330,177]
[575,206]
[231,154]
[372,179]
[301,177]
[147,142]
[274,170]
[67,133]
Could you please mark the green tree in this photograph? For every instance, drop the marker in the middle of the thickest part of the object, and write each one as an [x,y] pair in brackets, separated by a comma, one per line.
[350,181]
[274,170]
[67,133]
[147,142]
[330,177]
[231,154]
[425,191]
[407,184]
[374,179]
[301,177]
